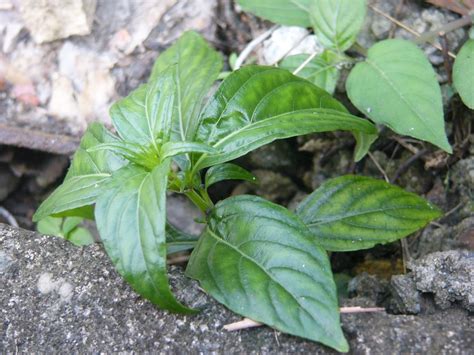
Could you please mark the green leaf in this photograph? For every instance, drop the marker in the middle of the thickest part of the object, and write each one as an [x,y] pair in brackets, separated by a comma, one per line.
[363,143]
[80,237]
[172,149]
[196,66]
[50,226]
[88,171]
[337,23]
[355,212]
[463,73]
[227,171]
[284,12]
[178,241]
[131,219]
[397,86]
[257,259]
[257,105]
[146,113]
[321,70]
[70,223]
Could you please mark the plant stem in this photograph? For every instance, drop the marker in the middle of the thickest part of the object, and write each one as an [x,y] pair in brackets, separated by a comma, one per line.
[198,200]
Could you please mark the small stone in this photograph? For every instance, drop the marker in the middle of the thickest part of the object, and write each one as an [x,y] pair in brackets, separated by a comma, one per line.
[55,19]
[405,297]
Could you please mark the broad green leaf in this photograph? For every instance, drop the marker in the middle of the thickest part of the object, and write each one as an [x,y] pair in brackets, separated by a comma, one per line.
[463,73]
[88,171]
[257,105]
[146,113]
[178,241]
[284,12]
[172,149]
[355,212]
[397,86]
[337,23]
[321,70]
[196,66]
[227,171]
[258,259]
[80,237]
[131,218]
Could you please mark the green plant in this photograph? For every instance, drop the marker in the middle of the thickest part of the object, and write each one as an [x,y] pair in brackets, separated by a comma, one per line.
[394,85]
[257,258]
[67,228]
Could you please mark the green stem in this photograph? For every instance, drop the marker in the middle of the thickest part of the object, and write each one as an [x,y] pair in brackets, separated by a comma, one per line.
[198,200]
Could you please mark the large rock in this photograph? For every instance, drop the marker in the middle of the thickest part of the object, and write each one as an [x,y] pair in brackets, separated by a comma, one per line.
[55,19]
[55,297]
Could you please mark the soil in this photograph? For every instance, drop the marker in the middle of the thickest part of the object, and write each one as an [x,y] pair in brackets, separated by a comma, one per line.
[37,138]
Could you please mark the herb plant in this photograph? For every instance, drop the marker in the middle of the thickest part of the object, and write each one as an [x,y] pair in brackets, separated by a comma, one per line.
[394,85]
[257,258]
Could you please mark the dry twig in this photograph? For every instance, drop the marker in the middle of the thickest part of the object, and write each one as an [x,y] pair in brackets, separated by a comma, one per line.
[8,217]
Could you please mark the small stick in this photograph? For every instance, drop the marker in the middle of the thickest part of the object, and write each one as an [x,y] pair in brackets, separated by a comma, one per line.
[248,323]
[378,166]
[8,217]
[406,28]
[178,259]
[406,164]
[302,65]
[297,43]
[251,46]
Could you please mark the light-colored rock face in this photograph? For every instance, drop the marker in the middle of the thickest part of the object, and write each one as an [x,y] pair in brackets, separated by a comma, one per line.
[49,20]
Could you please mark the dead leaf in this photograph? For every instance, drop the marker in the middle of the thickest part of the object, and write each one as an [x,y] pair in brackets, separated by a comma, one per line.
[462,7]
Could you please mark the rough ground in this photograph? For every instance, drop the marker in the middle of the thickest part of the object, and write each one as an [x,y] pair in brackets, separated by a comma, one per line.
[56,297]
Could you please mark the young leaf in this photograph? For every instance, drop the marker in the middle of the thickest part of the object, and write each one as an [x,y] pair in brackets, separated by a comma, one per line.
[463,73]
[177,240]
[131,219]
[336,23]
[196,66]
[147,111]
[256,105]
[355,212]
[397,86]
[284,12]
[172,149]
[80,237]
[257,259]
[50,226]
[227,171]
[363,143]
[88,171]
[321,70]
[70,223]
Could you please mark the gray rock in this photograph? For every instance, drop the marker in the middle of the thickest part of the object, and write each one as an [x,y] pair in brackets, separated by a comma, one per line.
[368,286]
[448,275]
[406,299]
[55,19]
[59,298]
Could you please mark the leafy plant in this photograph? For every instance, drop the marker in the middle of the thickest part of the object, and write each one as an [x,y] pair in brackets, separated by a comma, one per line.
[67,228]
[463,73]
[395,85]
[257,258]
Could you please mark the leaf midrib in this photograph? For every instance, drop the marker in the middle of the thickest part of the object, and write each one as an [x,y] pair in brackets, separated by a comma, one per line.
[337,218]
[399,94]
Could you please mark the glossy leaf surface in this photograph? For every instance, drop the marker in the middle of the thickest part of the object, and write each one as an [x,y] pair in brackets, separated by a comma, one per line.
[257,259]
[321,70]
[397,86]
[145,114]
[284,12]
[355,212]
[257,105]
[172,149]
[227,171]
[196,66]
[88,171]
[336,23]
[131,219]
[463,73]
